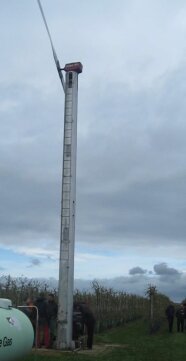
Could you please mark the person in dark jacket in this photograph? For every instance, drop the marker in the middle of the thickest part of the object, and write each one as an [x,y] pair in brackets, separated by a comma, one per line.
[88,320]
[180,315]
[43,336]
[170,312]
[184,306]
[52,309]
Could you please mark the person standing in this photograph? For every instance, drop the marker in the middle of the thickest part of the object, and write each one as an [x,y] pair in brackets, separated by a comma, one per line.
[180,315]
[170,312]
[89,321]
[52,309]
[184,306]
[43,335]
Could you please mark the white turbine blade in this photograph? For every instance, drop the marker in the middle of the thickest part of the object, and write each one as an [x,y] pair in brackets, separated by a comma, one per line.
[53,50]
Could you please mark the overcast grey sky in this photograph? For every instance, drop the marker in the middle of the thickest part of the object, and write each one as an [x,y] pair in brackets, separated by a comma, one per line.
[131,167]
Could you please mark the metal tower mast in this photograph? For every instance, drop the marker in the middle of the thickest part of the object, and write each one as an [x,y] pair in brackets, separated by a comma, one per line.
[66,268]
[68,201]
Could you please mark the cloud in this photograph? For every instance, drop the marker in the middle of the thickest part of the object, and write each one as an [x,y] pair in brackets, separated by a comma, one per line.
[132,180]
[137,270]
[35,262]
[136,196]
[162,269]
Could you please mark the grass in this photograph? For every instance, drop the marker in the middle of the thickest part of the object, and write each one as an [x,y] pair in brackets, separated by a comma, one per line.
[129,343]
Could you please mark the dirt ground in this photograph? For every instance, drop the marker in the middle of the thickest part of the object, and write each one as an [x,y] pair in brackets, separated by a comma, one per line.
[97,349]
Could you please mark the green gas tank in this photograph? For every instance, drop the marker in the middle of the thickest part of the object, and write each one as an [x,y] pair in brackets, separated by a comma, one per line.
[16,332]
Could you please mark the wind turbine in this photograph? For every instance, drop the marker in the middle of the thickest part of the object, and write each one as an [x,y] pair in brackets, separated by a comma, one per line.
[68,199]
